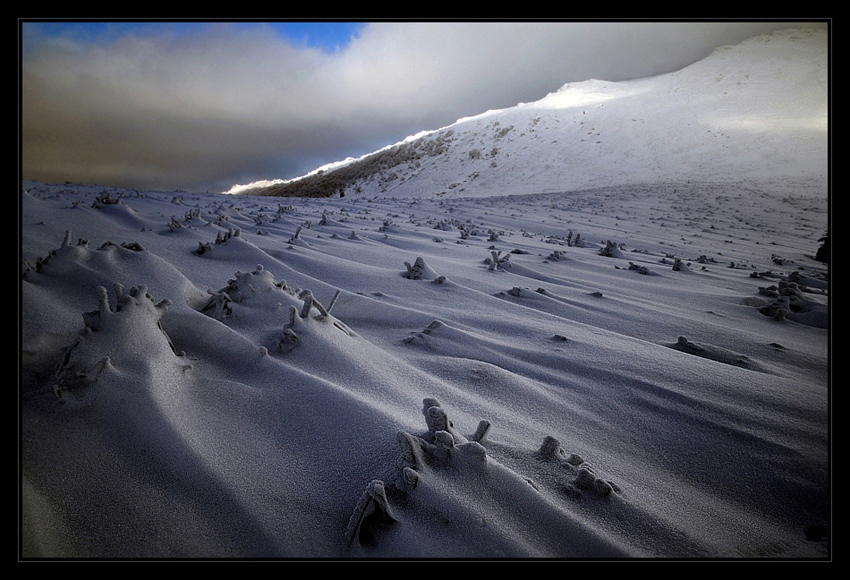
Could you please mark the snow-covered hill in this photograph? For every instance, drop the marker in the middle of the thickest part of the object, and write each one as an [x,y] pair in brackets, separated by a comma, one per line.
[610,372]
[752,112]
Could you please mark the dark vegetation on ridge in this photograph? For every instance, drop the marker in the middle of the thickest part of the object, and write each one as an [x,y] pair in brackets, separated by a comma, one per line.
[378,165]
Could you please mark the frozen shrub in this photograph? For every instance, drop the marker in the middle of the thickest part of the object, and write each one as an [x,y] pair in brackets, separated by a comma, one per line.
[106,198]
[246,284]
[777,310]
[419,270]
[176,224]
[220,238]
[296,236]
[550,447]
[218,306]
[127,334]
[611,250]
[639,269]
[67,242]
[442,445]
[790,302]
[371,514]
[387,226]
[498,261]
[435,417]
[289,338]
[585,478]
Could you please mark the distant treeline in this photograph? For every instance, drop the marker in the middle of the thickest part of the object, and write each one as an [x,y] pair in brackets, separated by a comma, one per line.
[378,165]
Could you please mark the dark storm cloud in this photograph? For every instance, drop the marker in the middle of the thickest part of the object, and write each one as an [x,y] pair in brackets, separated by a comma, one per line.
[166,108]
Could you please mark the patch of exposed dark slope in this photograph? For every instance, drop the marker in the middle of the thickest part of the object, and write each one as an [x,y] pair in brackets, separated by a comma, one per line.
[380,165]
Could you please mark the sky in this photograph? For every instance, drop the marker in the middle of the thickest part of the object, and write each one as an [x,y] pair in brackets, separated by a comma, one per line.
[203,106]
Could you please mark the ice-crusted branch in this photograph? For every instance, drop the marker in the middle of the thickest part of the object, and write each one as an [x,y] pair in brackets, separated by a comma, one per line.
[218,305]
[296,236]
[371,513]
[481,431]
[585,478]
[333,301]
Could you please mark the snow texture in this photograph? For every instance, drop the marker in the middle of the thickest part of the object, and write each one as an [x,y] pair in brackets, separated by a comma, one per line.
[622,356]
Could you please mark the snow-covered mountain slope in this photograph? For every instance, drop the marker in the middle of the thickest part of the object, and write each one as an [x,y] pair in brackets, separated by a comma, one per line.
[755,112]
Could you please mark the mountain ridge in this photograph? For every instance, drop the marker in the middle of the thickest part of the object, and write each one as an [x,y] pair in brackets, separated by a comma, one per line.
[765,98]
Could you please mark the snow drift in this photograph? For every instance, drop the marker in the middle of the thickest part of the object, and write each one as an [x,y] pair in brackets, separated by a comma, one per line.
[621,371]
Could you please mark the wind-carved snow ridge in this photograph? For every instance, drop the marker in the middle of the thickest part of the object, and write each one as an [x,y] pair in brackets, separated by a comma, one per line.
[145,456]
[716,353]
[27,267]
[72,251]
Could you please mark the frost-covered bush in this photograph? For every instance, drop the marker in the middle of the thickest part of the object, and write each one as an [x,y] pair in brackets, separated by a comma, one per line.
[239,288]
[372,512]
[441,446]
[420,270]
[640,269]
[612,250]
[39,264]
[106,198]
[791,303]
[584,476]
[298,319]
[220,238]
[125,336]
[175,223]
[498,260]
